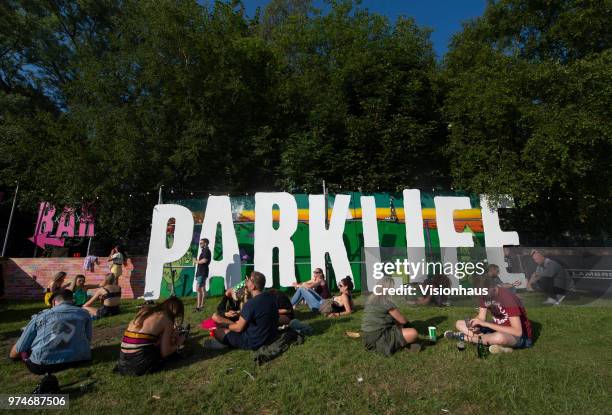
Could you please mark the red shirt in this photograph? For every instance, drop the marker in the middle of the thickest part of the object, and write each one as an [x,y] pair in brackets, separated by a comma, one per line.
[506,304]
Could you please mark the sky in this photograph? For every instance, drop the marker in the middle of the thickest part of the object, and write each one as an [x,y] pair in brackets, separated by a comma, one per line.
[444,17]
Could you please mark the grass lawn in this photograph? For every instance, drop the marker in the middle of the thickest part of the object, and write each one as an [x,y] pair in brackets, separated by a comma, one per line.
[567,371]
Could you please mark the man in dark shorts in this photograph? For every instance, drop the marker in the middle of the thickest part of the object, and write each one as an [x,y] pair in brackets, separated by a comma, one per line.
[56,338]
[549,277]
[258,320]
[202,263]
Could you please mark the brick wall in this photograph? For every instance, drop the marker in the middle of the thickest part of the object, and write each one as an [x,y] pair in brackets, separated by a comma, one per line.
[26,278]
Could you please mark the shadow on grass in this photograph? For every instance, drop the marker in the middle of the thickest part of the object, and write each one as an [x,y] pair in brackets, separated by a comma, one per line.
[536,330]
[20,314]
[193,352]
[422,326]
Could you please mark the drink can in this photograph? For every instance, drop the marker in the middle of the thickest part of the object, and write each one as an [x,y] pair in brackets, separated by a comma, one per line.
[432,333]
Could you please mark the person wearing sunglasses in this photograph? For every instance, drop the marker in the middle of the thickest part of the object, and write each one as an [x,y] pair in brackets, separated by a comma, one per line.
[312,292]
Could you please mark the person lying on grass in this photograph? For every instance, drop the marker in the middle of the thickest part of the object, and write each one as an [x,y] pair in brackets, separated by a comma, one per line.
[339,305]
[56,338]
[258,320]
[312,292]
[383,325]
[109,295]
[152,338]
[228,310]
[510,328]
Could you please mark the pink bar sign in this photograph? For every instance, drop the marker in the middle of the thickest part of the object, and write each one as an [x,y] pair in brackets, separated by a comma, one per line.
[52,228]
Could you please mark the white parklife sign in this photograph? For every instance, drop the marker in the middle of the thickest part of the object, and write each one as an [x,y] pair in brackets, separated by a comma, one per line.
[324,238]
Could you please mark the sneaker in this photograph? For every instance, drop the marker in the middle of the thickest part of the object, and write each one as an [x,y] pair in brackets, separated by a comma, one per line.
[214,344]
[413,348]
[529,290]
[549,301]
[454,335]
[496,349]
[559,299]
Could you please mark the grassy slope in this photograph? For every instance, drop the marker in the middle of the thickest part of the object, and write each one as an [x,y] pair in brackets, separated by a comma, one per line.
[568,371]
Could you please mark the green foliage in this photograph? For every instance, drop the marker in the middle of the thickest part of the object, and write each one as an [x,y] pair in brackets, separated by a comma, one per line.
[104,101]
[528,110]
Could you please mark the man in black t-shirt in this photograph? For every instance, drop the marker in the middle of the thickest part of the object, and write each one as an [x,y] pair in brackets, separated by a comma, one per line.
[202,264]
[258,320]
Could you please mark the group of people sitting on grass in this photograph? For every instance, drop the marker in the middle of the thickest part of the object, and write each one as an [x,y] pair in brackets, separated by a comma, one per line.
[386,330]
[248,317]
[108,294]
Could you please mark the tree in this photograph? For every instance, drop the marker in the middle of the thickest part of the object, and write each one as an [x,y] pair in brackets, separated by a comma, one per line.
[360,100]
[528,112]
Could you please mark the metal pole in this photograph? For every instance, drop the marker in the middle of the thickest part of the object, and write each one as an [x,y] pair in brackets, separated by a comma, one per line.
[88,246]
[10,222]
[159,199]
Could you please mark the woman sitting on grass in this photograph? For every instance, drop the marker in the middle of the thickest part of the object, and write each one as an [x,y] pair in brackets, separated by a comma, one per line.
[152,338]
[110,296]
[56,284]
[340,305]
[79,289]
[384,326]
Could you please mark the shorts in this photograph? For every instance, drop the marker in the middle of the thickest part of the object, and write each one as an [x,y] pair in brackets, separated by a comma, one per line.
[116,270]
[522,342]
[234,339]
[106,311]
[386,341]
[201,280]
[147,360]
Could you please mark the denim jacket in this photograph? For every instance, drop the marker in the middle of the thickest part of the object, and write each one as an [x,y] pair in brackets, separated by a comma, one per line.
[61,334]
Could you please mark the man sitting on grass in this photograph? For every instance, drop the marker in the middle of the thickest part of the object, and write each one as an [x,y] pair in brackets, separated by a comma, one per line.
[258,320]
[56,338]
[510,328]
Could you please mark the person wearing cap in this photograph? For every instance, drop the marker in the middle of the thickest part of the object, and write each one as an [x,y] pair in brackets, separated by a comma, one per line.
[202,265]
[509,327]
[56,338]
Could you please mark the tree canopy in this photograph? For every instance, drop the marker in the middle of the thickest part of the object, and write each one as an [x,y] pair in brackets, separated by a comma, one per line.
[104,101]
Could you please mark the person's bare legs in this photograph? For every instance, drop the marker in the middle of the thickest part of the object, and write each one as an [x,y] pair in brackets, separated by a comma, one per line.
[13,354]
[501,339]
[410,335]
[200,294]
[93,311]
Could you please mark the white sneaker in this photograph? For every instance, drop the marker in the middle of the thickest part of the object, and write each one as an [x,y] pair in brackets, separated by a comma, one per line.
[550,301]
[214,344]
[496,349]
